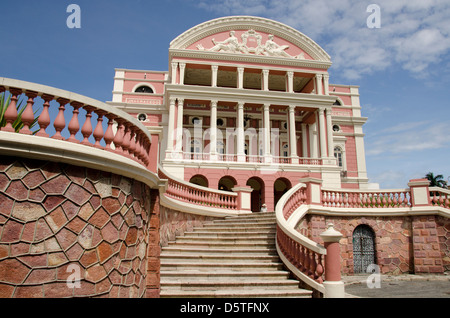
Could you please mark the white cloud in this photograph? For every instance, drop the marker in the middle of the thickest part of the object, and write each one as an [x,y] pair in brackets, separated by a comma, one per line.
[408,138]
[413,33]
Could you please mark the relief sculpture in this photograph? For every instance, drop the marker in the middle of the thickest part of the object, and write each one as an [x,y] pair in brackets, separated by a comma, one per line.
[232,45]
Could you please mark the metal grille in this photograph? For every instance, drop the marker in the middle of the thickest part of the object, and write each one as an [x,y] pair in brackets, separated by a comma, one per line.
[363,248]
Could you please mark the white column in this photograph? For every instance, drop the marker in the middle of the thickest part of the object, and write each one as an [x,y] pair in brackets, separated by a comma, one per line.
[170,128]
[326,84]
[266,127]
[174,72]
[240,133]
[323,142]
[292,135]
[313,140]
[214,69]
[240,83]
[182,68]
[330,133]
[213,131]
[319,84]
[290,82]
[179,130]
[305,140]
[265,80]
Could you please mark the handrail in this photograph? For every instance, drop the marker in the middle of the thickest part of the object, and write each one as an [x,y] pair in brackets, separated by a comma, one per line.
[440,197]
[346,198]
[131,140]
[304,257]
[190,193]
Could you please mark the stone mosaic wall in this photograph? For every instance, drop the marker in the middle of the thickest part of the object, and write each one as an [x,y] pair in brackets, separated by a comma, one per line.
[61,223]
[175,223]
[402,244]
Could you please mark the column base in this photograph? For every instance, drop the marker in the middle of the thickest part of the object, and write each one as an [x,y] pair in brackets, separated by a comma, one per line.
[334,289]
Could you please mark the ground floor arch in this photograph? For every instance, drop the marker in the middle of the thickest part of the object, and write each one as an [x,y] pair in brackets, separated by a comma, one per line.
[199,180]
[227,183]
[258,193]
[280,187]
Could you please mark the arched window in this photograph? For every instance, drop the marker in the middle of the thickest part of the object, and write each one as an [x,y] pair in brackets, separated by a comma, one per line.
[144,89]
[338,156]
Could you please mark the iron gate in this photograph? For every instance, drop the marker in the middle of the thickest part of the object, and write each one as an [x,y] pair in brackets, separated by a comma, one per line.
[363,248]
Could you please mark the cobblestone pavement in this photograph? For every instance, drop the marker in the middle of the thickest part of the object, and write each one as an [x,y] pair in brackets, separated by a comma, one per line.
[402,286]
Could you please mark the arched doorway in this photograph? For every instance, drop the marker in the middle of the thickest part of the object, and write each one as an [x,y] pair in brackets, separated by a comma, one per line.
[199,180]
[280,187]
[227,183]
[363,248]
[257,196]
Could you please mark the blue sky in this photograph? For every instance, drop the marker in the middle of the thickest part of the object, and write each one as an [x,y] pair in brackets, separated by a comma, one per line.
[402,68]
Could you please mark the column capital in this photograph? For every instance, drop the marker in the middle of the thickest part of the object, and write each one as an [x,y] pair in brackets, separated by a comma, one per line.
[214,103]
[182,64]
[214,67]
[265,72]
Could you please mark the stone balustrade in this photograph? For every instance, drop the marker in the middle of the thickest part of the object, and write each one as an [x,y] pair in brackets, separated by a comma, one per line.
[366,199]
[190,193]
[86,125]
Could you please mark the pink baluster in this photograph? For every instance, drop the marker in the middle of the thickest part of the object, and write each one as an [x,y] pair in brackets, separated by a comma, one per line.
[74,124]
[109,135]
[10,114]
[86,130]
[119,137]
[60,122]
[319,270]
[98,131]
[126,139]
[395,201]
[28,114]
[44,117]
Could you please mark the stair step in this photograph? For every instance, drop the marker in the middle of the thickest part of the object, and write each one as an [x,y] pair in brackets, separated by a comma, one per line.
[234,223]
[234,245]
[255,293]
[234,285]
[219,233]
[223,275]
[211,267]
[223,257]
[214,251]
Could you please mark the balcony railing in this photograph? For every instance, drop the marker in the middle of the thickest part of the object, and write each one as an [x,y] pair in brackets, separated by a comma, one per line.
[198,156]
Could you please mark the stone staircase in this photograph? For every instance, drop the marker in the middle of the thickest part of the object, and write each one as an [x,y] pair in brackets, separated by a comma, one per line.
[231,258]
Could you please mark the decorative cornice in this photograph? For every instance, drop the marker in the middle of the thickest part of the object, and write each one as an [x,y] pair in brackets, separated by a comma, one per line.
[247,58]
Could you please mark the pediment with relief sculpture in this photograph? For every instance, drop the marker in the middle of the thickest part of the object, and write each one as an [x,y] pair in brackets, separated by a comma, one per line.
[250,36]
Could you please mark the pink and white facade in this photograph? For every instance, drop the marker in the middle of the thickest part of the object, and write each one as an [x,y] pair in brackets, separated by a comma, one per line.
[247,102]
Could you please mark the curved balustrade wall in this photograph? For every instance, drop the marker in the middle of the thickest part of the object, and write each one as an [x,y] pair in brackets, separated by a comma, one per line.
[85,127]
[181,191]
